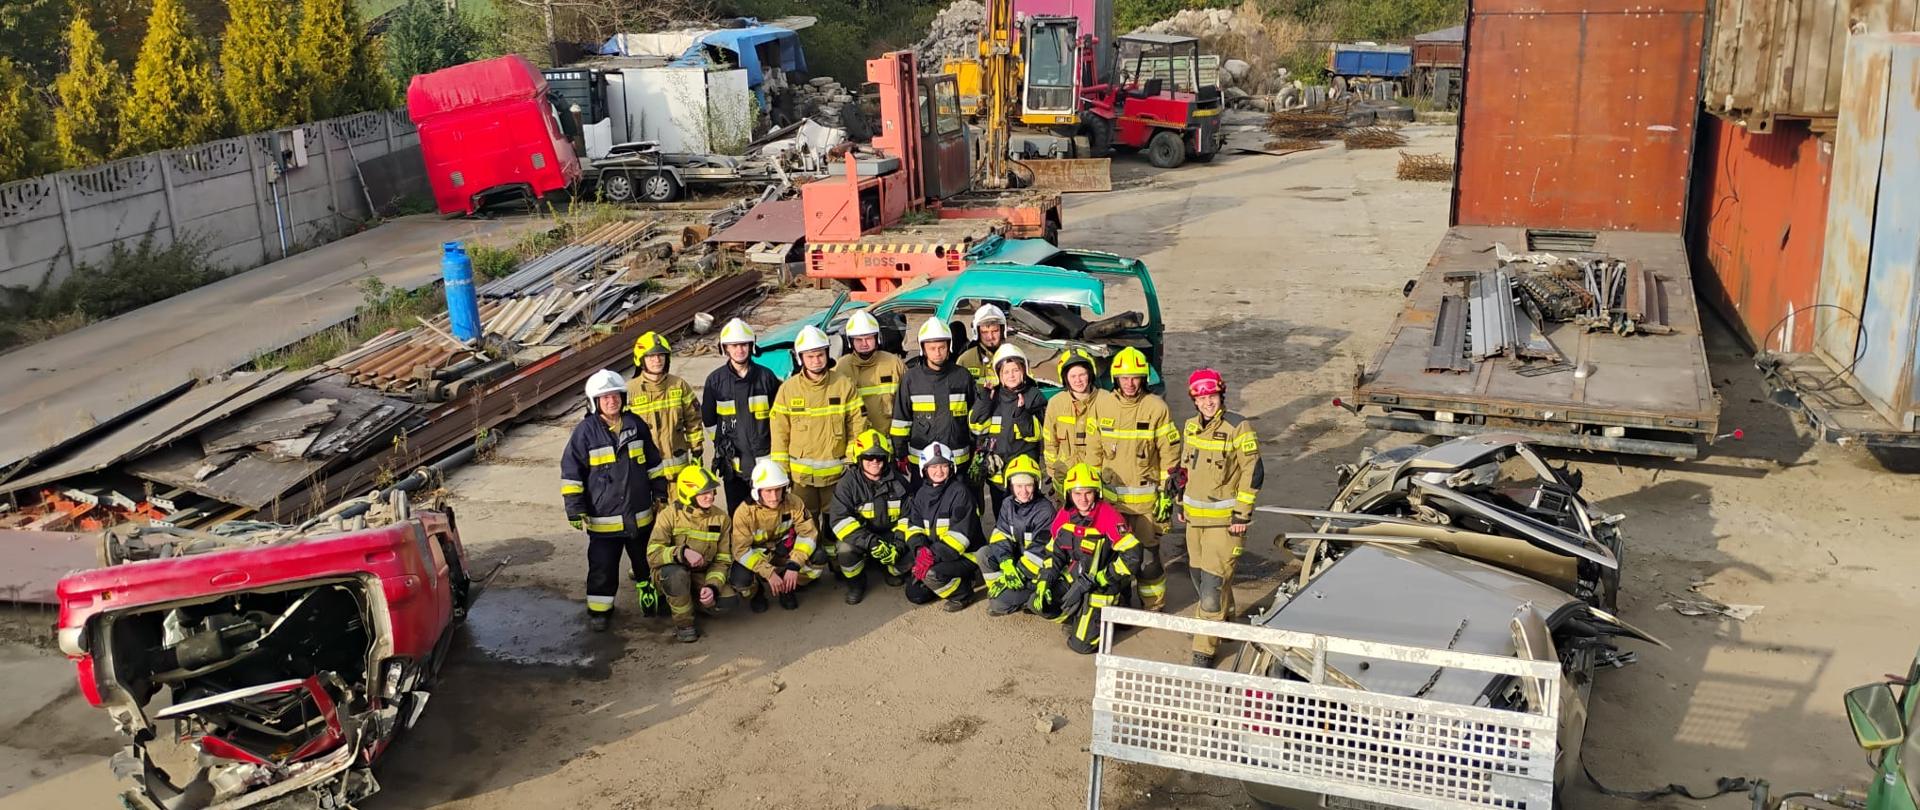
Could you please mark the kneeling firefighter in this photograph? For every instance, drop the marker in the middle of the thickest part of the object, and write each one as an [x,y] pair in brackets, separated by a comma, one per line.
[689,551]
[1103,553]
[1018,561]
[772,545]
[604,483]
[943,529]
[867,516]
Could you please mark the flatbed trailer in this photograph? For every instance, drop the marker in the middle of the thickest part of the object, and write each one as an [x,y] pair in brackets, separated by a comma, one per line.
[1645,394]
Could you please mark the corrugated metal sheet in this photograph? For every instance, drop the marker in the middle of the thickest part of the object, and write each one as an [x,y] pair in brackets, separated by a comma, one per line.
[1871,273]
[1578,115]
[1783,58]
[1758,226]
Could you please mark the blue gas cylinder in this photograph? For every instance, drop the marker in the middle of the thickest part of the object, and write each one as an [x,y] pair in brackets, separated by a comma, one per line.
[463,307]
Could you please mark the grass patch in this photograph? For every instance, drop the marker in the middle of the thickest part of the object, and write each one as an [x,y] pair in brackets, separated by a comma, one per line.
[129,278]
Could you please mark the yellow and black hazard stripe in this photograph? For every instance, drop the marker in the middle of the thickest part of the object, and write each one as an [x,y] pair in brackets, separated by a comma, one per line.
[862,247]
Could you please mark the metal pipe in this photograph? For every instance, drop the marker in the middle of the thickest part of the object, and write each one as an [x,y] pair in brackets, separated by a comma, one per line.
[1636,447]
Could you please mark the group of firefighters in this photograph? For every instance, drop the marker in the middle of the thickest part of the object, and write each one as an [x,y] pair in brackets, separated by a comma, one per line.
[875,462]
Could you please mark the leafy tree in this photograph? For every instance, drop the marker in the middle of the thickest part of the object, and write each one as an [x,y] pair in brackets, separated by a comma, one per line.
[30,28]
[84,124]
[23,125]
[336,60]
[175,101]
[257,67]
[425,36]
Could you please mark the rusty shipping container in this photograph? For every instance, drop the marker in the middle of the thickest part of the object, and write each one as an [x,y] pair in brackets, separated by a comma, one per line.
[1599,137]
[1757,227]
[1769,59]
[1443,48]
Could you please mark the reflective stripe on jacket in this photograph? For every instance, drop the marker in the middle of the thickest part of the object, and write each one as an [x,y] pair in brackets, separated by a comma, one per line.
[1224,472]
[604,478]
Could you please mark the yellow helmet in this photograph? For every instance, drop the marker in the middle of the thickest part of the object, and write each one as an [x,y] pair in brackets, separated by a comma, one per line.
[1023,465]
[693,481]
[872,443]
[650,343]
[1083,476]
[1129,362]
[1075,356]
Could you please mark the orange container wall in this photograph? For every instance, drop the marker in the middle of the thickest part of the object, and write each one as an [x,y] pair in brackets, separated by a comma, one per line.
[1758,226]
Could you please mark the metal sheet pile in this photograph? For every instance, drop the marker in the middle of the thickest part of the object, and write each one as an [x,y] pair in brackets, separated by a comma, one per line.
[1505,312]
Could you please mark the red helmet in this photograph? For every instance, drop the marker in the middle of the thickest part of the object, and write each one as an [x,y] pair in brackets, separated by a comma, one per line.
[1205,381]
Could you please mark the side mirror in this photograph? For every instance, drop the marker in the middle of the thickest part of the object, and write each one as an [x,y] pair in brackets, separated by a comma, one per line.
[1875,716]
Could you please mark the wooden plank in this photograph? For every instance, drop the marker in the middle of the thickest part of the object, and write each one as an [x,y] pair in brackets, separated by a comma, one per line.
[1780,65]
[1756,39]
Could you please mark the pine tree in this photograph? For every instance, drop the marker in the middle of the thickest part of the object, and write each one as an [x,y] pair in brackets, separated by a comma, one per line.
[426,36]
[257,67]
[23,125]
[85,121]
[336,60]
[175,101]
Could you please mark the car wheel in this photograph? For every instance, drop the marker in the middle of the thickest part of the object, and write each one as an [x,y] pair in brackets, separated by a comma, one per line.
[616,186]
[659,187]
[1165,151]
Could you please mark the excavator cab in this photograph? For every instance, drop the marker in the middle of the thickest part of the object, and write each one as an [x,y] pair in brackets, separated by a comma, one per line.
[1049,97]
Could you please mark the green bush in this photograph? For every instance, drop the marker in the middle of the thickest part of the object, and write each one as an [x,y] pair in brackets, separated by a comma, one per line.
[130,278]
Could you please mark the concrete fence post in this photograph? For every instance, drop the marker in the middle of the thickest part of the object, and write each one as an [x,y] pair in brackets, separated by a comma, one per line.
[66,225]
[167,192]
[262,207]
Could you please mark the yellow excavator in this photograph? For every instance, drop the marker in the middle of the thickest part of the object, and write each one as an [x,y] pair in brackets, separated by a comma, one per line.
[1001,67]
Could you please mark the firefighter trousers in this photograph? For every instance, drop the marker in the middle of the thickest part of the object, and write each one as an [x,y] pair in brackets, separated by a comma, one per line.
[1083,623]
[953,579]
[1009,595]
[682,586]
[745,583]
[816,499]
[850,556]
[736,489]
[603,566]
[1152,577]
[1212,554]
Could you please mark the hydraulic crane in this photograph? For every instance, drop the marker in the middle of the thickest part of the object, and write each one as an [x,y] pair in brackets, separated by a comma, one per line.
[1000,83]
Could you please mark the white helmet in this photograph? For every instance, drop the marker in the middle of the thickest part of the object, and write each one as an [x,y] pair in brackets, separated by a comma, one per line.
[935,329]
[605,381]
[767,474]
[988,313]
[1007,352]
[935,453]
[736,331]
[810,338]
[862,323]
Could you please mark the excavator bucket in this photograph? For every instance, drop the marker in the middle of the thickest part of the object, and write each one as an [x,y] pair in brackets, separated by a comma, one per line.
[1071,174]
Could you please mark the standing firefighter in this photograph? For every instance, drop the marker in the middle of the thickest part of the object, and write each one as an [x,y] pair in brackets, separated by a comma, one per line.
[934,400]
[989,334]
[1018,561]
[735,405]
[1103,558]
[1071,437]
[1007,420]
[772,543]
[943,529]
[667,404]
[1222,460]
[868,518]
[604,483]
[874,372]
[689,550]
[815,418]
[1140,446]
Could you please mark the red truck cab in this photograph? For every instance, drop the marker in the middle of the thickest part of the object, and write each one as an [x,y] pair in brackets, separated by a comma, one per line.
[488,130]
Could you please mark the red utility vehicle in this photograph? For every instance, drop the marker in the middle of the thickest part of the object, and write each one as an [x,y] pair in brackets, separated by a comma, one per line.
[488,131]
[286,662]
[1163,104]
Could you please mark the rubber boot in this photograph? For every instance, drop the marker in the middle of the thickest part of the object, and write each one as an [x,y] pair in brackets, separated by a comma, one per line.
[790,600]
[597,622]
[856,590]
[958,603]
[1203,660]
[758,603]
[685,634]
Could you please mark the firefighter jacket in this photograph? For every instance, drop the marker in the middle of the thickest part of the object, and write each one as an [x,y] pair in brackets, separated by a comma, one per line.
[764,540]
[672,413]
[1139,443]
[1070,435]
[943,517]
[813,424]
[735,409]
[1007,424]
[688,526]
[604,478]
[876,378]
[1097,544]
[1026,529]
[1224,473]
[933,406]
[872,506]
[978,361]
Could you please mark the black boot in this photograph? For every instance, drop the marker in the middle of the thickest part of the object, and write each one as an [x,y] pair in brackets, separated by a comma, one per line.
[598,621]
[856,590]
[895,580]
[1203,660]
[685,634]
[759,601]
[958,603]
[789,600]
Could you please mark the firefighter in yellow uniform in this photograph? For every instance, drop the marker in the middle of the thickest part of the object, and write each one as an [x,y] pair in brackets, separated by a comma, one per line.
[1070,437]
[772,542]
[1139,447]
[874,372]
[689,550]
[816,416]
[1222,463]
[668,406]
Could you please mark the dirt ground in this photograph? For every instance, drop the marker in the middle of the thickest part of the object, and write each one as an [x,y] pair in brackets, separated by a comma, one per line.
[1283,272]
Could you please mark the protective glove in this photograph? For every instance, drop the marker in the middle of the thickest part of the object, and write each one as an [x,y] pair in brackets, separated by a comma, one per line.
[885,552]
[1042,592]
[922,563]
[577,521]
[1010,576]
[693,559]
[650,602]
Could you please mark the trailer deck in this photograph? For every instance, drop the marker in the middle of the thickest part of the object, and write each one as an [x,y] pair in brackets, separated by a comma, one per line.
[1642,393]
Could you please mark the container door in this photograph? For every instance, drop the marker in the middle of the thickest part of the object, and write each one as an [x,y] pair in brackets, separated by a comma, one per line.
[946,162]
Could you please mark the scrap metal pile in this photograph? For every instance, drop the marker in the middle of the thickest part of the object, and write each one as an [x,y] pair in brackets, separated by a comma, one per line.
[1358,125]
[277,444]
[1425,168]
[1504,311]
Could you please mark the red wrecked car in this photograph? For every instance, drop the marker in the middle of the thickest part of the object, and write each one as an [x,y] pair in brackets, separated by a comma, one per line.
[280,663]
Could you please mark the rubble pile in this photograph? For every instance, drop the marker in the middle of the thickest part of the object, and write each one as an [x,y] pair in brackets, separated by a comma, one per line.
[1248,43]
[824,99]
[954,34]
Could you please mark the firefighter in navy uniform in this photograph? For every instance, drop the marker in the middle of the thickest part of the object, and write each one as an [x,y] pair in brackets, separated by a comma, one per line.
[1104,558]
[868,516]
[735,404]
[943,530]
[605,483]
[1019,554]
[934,401]
[1007,421]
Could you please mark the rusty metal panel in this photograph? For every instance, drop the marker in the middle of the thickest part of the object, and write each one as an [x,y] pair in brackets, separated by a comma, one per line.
[1438,54]
[1768,59]
[1578,118]
[1071,174]
[1890,318]
[1859,141]
[1758,224]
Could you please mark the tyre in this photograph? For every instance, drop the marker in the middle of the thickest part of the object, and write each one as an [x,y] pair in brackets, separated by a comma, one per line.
[616,186]
[659,187]
[1099,136]
[1165,150]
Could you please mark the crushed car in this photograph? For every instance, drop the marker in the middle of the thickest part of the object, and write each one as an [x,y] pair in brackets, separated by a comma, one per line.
[262,665]
[1054,298]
